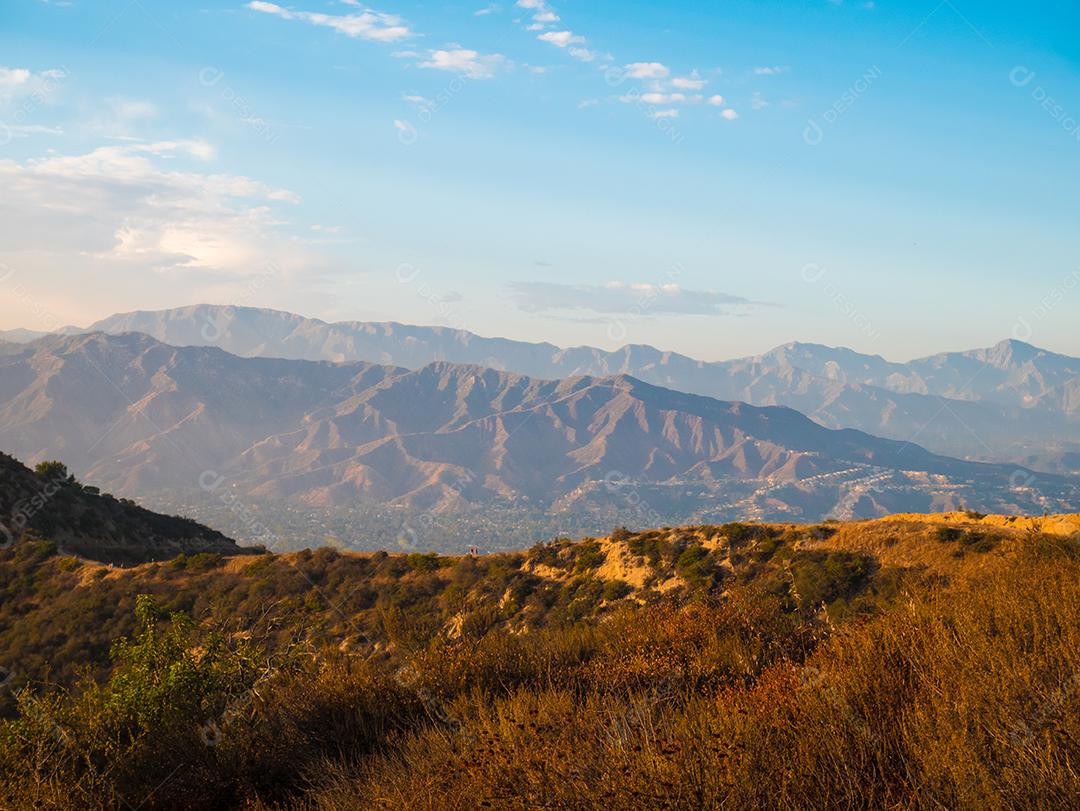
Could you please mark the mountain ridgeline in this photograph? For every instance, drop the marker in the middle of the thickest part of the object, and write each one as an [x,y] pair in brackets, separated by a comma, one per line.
[138,416]
[1012,402]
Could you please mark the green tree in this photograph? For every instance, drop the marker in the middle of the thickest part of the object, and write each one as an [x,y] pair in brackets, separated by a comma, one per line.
[54,471]
[162,678]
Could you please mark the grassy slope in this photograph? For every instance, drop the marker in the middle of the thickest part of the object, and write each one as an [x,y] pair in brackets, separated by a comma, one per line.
[910,662]
[58,614]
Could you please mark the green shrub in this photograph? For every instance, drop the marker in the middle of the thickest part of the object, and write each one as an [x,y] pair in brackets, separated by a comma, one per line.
[589,556]
[650,547]
[695,566]
[823,577]
[419,562]
[205,561]
[616,590]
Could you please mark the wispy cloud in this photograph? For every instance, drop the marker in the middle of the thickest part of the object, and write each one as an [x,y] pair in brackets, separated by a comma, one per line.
[464,61]
[647,70]
[144,204]
[20,83]
[544,18]
[691,82]
[661,98]
[561,39]
[365,24]
[622,297]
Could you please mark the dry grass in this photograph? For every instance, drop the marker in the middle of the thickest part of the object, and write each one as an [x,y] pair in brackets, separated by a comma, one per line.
[964,698]
[959,692]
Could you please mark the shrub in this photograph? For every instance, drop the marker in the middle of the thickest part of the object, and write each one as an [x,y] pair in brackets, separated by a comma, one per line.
[616,590]
[429,562]
[54,471]
[205,561]
[695,565]
[650,547]
[589,556]
[822,577]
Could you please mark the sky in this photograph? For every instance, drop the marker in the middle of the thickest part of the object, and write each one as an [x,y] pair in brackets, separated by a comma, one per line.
[709,178]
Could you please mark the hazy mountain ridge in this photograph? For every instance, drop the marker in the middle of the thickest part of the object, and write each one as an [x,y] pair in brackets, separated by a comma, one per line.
[136,415]
[1009,402]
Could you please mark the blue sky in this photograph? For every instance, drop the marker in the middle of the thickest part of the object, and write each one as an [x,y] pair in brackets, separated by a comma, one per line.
[711,178]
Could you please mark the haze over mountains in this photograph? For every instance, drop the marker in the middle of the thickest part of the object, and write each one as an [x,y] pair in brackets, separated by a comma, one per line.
[137,416]
[1010,403]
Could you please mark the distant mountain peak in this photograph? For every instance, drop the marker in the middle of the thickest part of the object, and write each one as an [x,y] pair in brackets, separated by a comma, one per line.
[1015,349]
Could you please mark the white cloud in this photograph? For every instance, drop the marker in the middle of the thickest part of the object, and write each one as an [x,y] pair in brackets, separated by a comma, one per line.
[141,205]
[366,24]
[665,114]
[543,14]
[25,84]
[661,98]
[691,82]
[716,101]
[647,70]
[466,62]
[12,78]
[729,114]
[483,12]
[773,70]
[561,39]
[658,98]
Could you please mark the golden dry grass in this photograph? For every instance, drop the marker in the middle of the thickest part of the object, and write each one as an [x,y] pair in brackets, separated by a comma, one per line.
[955,686]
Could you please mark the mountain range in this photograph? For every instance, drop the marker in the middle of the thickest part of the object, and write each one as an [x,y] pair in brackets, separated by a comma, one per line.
[137,416]
[1010,403]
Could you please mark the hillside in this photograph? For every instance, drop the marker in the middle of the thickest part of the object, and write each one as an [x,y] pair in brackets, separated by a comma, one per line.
[1010,402]
[380,601]
[911,661]
[138,417]
[81,521]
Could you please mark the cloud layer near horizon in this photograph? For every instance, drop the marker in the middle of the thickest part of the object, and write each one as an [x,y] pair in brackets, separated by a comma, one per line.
[622,298]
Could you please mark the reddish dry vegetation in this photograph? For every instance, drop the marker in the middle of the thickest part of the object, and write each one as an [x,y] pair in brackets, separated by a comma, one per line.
[903,664]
